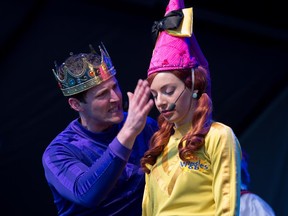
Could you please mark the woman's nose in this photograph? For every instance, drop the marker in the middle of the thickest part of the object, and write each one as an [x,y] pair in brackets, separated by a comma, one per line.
[160,102]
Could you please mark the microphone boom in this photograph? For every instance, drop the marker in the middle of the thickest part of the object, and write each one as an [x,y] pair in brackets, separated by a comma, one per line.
[173,105]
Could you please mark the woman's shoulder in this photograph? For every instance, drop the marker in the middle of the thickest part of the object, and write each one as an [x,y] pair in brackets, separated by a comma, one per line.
[221,132]
[220,128]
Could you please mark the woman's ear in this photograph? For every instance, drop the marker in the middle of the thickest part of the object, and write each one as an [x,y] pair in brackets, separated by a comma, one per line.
[75,104]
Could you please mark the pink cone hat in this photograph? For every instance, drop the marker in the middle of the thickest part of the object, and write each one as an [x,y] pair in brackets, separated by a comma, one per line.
[172,52]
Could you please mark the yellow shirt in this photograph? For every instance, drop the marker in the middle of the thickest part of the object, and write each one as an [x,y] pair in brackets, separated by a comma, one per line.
[209,185]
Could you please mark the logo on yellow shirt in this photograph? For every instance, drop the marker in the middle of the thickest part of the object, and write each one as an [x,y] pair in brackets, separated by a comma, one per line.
[196,164]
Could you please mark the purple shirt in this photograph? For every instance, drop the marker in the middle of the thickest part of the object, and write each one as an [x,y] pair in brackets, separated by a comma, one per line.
[93,174]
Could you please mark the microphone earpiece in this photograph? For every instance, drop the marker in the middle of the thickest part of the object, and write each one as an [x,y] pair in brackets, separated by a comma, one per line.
[194,95]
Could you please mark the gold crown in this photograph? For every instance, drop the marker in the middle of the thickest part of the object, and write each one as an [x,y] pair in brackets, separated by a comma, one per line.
[83,71]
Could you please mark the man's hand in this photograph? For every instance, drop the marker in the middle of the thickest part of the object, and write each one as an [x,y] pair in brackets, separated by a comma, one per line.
[140,105]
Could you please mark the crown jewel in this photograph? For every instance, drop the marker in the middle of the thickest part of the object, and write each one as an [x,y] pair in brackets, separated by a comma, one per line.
[83,71]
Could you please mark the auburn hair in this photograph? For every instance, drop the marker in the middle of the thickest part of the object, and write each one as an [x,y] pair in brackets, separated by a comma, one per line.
[201,120]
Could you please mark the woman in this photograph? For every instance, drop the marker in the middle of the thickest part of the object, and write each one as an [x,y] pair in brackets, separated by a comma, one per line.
[193,164]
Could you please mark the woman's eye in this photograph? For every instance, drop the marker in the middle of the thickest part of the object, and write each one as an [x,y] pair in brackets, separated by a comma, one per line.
[169,92]
[154,96]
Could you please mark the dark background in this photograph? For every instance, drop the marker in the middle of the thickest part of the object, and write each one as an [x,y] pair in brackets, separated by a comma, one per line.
[246,46]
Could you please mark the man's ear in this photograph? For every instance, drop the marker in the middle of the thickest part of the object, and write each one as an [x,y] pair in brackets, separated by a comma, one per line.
[75,104]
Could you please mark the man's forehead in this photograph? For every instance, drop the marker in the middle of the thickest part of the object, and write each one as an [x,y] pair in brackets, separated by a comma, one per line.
[105,84]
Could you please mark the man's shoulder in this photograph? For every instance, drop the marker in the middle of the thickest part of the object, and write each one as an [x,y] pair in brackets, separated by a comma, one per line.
[151,120]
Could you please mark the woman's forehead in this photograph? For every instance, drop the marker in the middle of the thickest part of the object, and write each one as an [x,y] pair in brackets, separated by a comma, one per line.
[165,78]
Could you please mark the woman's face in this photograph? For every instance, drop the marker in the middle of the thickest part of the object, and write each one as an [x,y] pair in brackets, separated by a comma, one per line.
[167,89]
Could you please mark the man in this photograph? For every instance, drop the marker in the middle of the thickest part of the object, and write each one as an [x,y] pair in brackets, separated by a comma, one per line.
[93,166]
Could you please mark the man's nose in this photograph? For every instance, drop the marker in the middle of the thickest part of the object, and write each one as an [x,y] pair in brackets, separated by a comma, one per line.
[114,95]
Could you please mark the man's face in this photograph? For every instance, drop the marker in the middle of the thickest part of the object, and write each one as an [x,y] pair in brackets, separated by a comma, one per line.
[103,106]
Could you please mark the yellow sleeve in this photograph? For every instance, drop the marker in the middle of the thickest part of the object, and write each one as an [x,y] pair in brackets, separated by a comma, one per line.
[146,203]
[225,155]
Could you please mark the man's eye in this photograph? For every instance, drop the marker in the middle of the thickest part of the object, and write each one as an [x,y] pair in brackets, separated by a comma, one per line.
[101,94]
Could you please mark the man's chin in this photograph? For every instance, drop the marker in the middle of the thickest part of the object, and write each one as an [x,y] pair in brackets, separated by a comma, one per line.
[117,117]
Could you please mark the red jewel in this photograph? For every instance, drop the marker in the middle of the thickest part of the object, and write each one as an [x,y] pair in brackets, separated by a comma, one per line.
[91,73]
[165,62]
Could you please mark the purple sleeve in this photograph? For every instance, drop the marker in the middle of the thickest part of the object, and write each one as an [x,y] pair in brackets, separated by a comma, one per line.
[118,149]
[79,183]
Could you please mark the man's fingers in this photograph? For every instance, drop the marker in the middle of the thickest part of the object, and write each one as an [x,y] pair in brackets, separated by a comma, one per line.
[142,93]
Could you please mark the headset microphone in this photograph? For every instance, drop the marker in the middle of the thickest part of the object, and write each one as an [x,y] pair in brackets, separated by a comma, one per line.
[173,105]
[194,95]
